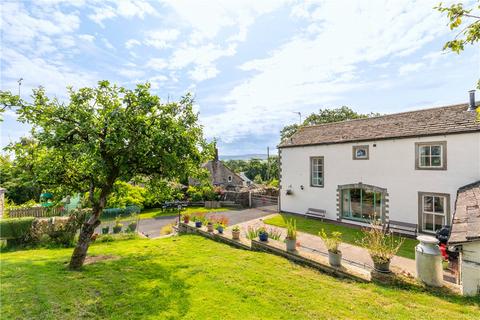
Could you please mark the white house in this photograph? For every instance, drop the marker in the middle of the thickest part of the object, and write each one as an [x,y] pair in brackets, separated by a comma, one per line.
[403,168]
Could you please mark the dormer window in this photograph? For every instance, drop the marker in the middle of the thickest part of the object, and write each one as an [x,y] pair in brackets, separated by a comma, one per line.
[431,155]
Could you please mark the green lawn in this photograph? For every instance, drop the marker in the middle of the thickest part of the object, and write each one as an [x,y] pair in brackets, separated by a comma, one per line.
[157,212]
[190,277]
[349,235]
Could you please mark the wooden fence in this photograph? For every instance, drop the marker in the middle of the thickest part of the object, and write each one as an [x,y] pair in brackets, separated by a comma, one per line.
[37,212]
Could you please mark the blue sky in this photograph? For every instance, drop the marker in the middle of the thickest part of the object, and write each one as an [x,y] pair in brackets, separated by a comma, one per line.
[250,64]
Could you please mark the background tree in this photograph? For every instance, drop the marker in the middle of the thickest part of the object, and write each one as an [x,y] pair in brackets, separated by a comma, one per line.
[108,134]
[468,21]
[324,116]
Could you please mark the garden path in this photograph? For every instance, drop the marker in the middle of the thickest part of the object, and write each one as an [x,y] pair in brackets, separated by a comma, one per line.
[350,253]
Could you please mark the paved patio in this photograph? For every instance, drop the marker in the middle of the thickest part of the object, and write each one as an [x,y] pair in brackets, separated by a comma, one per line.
[350,253]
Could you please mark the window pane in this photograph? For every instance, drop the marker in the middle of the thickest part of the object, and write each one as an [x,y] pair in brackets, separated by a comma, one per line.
[346,203]
[438,204]
[428,222]
[428,204]
[425,161]
[436,161]
[439,222]
[436,150]
[425,150]
[355,203]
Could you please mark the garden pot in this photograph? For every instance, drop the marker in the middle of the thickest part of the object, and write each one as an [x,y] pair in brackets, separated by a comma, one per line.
[198,224]
[291,244]
[210,227]
[105,230]
[236,235]
[263,236]
[220,230]
[132,227]
[335,259]
[186,220]
[383,267]
[117,229]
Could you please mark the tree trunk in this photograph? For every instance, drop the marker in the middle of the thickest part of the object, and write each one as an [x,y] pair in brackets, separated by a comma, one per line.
[84,240]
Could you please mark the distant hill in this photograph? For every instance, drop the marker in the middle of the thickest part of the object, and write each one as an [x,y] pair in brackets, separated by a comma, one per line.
[244,156]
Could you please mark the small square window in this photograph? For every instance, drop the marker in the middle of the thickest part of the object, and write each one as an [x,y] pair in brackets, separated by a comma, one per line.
[360,153]
[431,155]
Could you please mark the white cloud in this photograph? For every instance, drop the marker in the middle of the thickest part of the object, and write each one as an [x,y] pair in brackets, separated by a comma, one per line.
[130,73]
[87,37]
[161,39]
[157,64]
[131,43]
[323,61]
[123,8]
[409,68]
[108,44]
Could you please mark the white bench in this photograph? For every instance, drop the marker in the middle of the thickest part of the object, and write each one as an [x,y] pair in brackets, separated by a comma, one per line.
[316,213]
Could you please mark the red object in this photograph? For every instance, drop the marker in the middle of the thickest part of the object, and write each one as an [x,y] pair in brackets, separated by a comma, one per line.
[443,250]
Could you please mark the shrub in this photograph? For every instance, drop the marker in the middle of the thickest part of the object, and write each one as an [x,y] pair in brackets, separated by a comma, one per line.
[292,229]
[198,216]
[15,228]
[167,229]
[252,232]
[219,220]
[381,244]
[275,234]
[331,241]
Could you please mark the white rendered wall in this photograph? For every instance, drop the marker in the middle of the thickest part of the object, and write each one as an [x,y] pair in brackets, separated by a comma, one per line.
[391,165]
[470,268]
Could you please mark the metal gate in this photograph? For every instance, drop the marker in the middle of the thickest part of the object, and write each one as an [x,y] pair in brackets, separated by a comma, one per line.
[258,200]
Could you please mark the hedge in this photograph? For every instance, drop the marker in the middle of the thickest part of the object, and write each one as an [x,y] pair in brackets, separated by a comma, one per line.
[15,228]
[115,212]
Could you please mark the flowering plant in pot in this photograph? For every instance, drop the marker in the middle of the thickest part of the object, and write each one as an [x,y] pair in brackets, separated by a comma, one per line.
[186,217]
[220,222]
[381,244]
[118,226]
[332,242]
[291,239]
[198,218]
[236,233]
[262,234]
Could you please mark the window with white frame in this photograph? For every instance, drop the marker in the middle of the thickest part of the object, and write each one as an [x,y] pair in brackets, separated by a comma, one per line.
[316,172]
[434,212]
[430,155]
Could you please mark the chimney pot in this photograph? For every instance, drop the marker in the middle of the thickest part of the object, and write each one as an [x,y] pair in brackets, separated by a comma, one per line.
[472,106]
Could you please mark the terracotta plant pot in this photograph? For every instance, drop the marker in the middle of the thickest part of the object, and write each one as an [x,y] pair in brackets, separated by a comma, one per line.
[291,244]
[236,235]
[210,227]
[335,259]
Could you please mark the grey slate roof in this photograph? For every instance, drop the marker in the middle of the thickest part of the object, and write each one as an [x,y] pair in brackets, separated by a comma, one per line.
[426,122]
[466,219]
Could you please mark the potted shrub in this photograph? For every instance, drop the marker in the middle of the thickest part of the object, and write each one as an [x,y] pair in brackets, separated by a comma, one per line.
[118,226]
[332,242]
[291,239]
[262,234]
[105,230]
[381,245]
[236,233]
[198,219]
[132,226]
[186,217]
